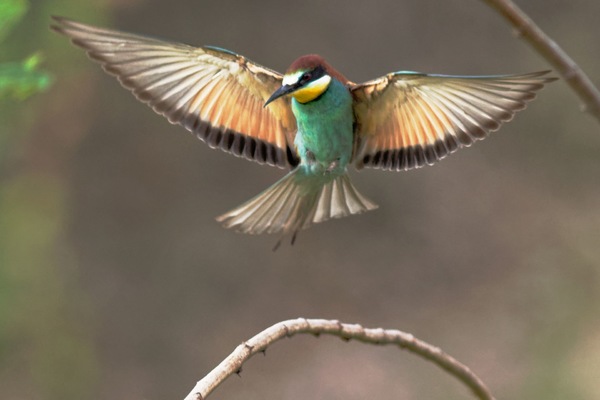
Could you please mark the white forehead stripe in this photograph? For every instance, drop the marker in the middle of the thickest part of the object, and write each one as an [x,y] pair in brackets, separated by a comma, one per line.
[293,78]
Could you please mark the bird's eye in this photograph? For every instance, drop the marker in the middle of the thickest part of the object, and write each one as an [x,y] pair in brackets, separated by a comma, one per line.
[306,77]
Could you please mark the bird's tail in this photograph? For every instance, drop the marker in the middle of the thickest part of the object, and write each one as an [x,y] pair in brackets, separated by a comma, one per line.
[297,201]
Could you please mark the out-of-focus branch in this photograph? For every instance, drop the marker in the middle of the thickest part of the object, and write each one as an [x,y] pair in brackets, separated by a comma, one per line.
[379,336]
[568,69]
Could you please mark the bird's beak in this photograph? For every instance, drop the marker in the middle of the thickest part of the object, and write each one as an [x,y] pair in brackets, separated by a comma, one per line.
[282,91]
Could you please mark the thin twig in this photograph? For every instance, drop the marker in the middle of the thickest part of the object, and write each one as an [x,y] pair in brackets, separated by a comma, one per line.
[565,65]
[379,336]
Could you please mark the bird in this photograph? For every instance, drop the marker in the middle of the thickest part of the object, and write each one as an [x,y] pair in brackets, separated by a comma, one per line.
[311,120]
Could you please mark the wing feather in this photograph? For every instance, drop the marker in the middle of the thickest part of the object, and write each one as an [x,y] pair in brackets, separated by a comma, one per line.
[406,120]
[214,93]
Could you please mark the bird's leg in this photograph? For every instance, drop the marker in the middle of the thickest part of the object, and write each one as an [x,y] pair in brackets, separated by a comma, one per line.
[277,245]
[292,241]
[294,238]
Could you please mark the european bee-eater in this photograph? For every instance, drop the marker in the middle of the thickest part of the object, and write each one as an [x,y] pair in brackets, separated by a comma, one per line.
[311,119]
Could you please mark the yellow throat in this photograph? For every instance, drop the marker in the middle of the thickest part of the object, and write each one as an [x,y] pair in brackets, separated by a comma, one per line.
[312,90]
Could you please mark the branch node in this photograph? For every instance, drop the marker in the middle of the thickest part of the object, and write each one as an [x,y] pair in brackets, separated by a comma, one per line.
[287,331]
[517,32]
[340,326]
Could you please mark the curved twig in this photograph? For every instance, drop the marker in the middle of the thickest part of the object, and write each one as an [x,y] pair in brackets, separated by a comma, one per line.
[543,44]
[259,343]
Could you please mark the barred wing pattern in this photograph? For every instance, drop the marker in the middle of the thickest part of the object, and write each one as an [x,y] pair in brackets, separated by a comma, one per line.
[406,120]
[214,93]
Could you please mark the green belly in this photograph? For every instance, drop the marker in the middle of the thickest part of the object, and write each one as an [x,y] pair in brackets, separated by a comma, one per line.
[325,130]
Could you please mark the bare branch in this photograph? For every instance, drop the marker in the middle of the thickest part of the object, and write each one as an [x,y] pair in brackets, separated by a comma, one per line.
[379,336]
[568,69]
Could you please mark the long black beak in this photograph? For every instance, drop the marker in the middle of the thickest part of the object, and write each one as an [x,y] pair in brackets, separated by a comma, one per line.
[282,91]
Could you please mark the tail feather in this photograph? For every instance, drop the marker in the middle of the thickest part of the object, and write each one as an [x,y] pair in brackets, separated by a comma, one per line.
[296,202]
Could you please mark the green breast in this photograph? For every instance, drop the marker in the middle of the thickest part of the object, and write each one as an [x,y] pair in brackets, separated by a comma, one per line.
[325,129]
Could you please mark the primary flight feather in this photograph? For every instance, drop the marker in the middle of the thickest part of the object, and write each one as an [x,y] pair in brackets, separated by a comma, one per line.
[311,119]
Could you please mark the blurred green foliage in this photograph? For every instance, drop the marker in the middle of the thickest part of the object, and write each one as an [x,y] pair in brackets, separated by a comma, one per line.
[43,334]
[11,12]
[19,80]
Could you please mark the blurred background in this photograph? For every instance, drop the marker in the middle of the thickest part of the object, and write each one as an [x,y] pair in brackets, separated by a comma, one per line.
[117,283]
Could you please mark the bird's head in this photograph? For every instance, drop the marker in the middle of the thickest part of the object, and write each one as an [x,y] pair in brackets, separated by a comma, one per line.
[306,79]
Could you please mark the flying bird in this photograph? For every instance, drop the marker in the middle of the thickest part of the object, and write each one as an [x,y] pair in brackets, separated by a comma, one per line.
[311,120]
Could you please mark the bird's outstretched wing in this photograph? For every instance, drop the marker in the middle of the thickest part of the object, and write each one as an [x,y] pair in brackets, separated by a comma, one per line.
[406,120]
[214,93]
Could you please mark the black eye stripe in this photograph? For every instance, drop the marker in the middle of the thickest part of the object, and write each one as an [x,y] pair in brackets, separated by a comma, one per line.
[311,76]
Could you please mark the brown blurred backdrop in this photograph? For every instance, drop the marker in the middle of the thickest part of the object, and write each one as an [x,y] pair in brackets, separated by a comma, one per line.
[117,283]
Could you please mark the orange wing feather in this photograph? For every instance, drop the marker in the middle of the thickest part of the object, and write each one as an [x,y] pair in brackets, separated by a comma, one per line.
[406,120]
[216,94]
